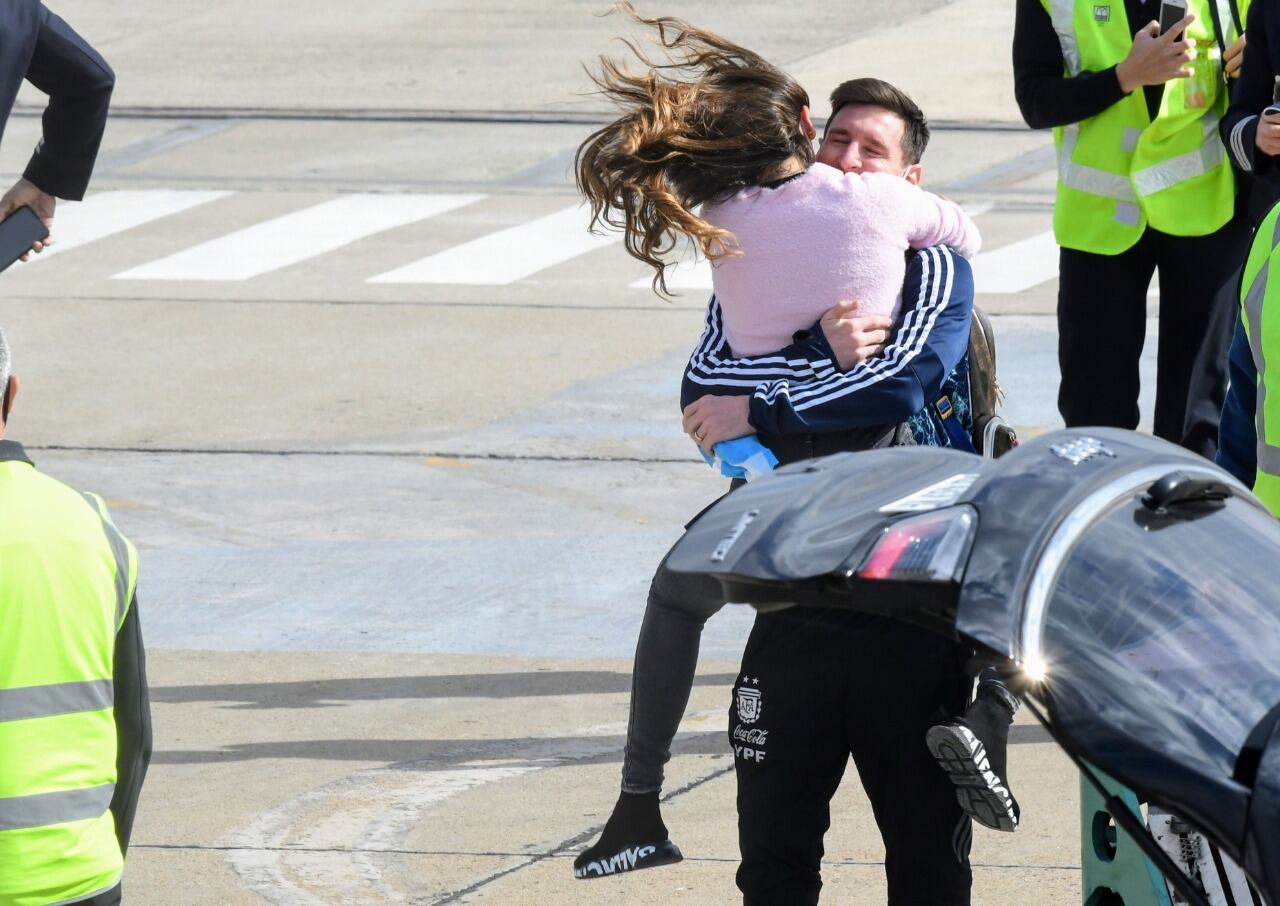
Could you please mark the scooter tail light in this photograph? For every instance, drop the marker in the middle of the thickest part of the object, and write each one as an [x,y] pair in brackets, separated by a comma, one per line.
[931,547]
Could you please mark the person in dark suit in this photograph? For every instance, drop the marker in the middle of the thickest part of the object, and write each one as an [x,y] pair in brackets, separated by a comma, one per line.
[38,47]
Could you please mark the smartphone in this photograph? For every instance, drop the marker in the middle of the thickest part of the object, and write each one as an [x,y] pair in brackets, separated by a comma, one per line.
[1274,108]
[1171,13]
[17,233]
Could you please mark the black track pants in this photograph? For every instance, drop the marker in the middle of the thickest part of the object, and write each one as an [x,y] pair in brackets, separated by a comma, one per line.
[1102,321]
[817,686]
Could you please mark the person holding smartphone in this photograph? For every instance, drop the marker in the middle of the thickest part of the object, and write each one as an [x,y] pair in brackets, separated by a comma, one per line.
[1251,130]
[38,47]
[1144,185]
[1251,127]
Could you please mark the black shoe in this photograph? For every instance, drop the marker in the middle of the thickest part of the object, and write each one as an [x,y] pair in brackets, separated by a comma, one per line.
[633,838]
[973,750]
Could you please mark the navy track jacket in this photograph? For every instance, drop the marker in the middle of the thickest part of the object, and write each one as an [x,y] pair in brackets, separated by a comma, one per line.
[800,389]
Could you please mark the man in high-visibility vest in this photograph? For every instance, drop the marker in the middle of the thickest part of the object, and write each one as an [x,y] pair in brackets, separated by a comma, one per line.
[1144,185]
[75,723]
[1250,447]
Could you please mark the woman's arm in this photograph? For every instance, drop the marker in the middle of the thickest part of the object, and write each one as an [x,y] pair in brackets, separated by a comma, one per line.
[1045,96]
[931,219]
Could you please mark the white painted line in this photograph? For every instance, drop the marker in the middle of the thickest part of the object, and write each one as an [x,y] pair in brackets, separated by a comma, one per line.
[103,214]
[696,275]
[686,275]
[295,237]
[1017,267]
[339,830]
[508,255]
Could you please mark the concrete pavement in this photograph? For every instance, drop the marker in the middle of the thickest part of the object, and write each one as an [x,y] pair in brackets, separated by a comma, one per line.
[435,779]
[396,536]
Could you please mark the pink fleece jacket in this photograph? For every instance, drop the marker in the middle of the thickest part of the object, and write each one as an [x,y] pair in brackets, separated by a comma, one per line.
[820,238]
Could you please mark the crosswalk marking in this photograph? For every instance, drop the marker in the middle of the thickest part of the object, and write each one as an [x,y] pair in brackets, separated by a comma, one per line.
[508,255]
[295,237]
[1017,267]
[691,275]
[497,259]
[103,214]
[686,276]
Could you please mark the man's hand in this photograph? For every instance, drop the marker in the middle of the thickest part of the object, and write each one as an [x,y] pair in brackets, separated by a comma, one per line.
[1267,138]
[711,419]
[1155,58]
[854,338]
[26,194]
[1233,59]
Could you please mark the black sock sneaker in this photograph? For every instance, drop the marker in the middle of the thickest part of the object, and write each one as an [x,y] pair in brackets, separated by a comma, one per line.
[633,838]
[973,750]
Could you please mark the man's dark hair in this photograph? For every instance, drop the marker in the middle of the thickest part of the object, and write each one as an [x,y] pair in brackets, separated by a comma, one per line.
[879,93]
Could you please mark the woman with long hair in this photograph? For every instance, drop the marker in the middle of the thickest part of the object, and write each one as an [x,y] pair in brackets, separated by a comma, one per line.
[714,145]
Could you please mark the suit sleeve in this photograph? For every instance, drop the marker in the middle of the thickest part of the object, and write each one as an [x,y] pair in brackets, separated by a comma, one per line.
[1237,435]
[133,723]
[79,84]
[931,337]
[1250,96]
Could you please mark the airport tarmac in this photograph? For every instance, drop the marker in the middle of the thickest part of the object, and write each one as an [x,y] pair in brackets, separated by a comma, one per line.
[399,442]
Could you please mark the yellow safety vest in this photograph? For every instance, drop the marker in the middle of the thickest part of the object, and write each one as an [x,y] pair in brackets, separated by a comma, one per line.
[1119,172]
[1260,311]
[66,579]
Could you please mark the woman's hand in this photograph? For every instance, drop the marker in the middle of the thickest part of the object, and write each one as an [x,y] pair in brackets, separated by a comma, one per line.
[711,419]
[854,338]
[1155,58]
[1233,58]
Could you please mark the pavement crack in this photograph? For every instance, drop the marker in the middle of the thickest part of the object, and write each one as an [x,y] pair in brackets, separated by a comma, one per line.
[388,454]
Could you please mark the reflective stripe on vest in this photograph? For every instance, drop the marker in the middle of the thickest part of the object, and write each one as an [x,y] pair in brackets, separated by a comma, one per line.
[1228,22]
[62,807]
[1091,179]
[1119,171]
[69,579]
[120,550]
[1184,167]
[1063,15]
[1252,305]
[56,698]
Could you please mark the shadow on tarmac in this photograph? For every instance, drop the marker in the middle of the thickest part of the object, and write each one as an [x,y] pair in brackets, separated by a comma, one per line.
[446,754]
[331,693]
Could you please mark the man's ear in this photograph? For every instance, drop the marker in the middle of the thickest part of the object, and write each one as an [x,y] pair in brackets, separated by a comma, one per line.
[913,174]
[10,394]
[806,124]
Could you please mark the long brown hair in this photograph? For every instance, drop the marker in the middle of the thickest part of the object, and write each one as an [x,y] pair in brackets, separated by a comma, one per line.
[708,118]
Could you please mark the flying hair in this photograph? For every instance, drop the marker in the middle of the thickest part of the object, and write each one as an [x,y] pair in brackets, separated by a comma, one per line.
[700,118]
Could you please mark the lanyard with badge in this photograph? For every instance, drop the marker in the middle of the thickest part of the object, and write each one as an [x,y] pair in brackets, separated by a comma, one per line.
[1221,35]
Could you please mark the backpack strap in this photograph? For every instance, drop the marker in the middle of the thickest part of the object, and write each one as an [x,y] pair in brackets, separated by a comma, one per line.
[959,437]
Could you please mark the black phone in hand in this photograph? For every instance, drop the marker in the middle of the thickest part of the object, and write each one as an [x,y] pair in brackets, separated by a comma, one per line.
[18,232]
[1171,13]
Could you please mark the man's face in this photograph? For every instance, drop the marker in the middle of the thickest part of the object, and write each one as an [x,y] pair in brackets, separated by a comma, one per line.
[862,138]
